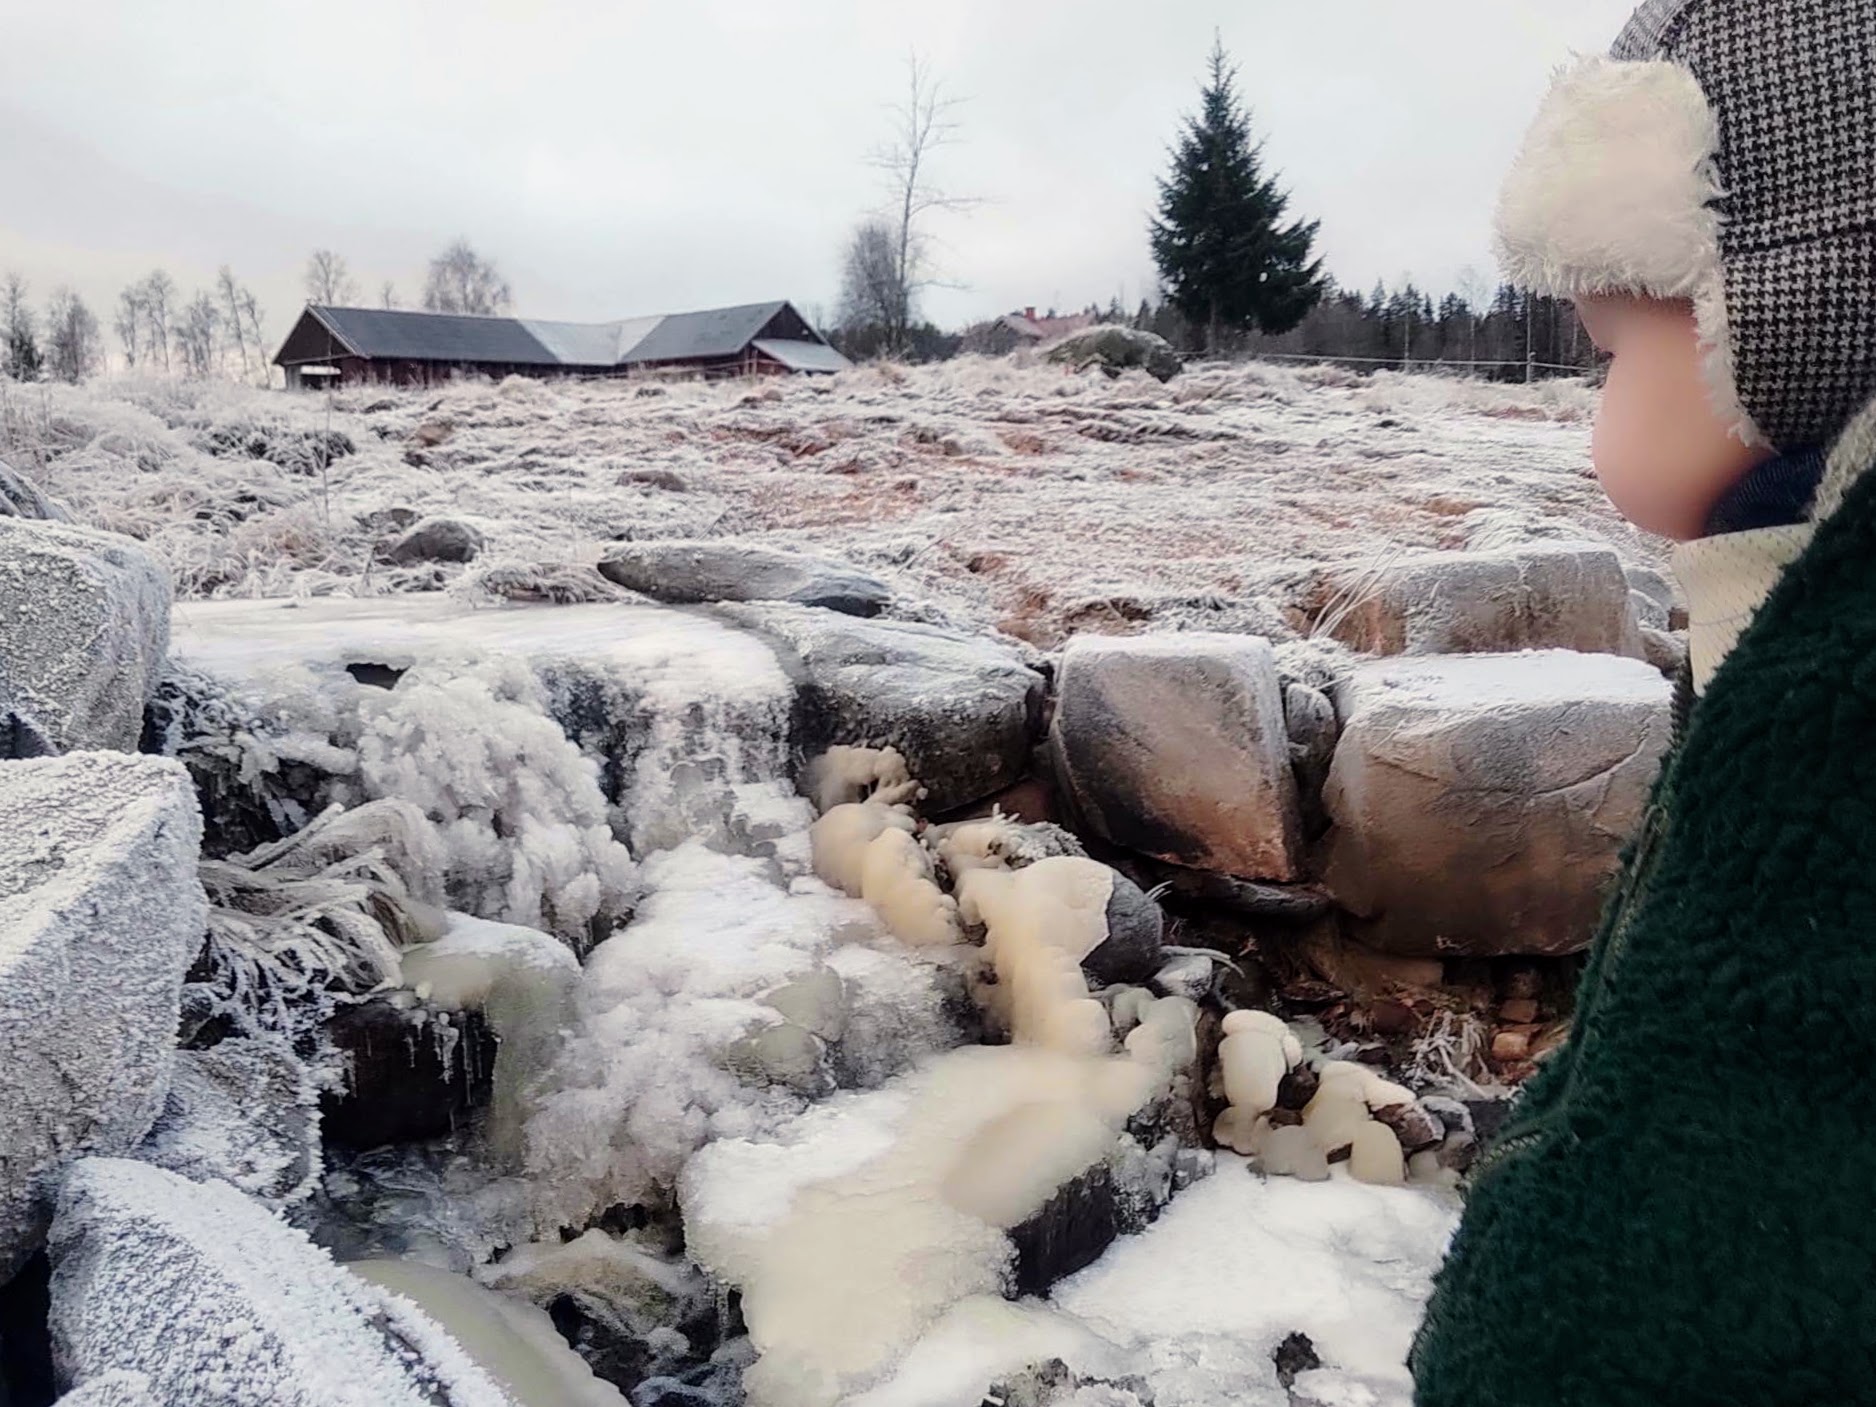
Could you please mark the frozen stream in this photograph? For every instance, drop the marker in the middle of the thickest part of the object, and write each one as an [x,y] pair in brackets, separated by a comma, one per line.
[750,1048]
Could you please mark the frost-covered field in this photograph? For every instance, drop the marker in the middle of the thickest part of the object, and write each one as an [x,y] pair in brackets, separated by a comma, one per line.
[989,493]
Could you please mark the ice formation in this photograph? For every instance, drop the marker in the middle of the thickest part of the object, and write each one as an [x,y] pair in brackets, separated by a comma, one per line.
[872,1216]
[1352,1114]
[524,981]
[525,827]
[512,1341]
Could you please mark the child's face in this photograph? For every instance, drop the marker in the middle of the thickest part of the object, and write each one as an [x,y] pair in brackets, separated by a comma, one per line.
[1663,453]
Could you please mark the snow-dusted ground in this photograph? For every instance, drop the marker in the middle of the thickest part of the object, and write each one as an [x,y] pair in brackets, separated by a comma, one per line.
[990,492]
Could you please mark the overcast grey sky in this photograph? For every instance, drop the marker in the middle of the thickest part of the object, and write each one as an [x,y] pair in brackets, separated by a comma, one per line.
[618,157]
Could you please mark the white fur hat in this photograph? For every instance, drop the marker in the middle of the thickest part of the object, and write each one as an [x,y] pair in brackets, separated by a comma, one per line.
[1724,153]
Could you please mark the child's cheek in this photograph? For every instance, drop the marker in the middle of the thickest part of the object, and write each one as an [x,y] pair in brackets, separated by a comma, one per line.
[1636,459]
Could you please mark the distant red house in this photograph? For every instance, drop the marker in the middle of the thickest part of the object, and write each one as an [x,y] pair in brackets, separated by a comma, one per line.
[1004,335]
[340,346]
[1034,329]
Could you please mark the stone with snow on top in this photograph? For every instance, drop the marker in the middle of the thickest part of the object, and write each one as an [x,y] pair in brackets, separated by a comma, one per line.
[100,915]
[435,540]
[1115,349]
[1665,650]
[113,1389]
[963,710]
[1547,596]
[1136,930]
[219,1303]
[1661,590]
[688,573]
[84,629]
[21,498]
[1175,746]
[244,1111]
[1480,803]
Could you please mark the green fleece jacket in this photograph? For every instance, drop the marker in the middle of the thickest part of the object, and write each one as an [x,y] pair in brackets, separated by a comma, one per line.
[1682,1211]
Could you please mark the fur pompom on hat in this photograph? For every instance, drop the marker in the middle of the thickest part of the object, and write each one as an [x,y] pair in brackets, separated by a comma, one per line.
[1725,152]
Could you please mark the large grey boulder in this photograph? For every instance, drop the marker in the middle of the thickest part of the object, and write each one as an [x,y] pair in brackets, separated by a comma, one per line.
[1175,746]
[435,540]
[1114,349]
[690,573]
[218,1303]
[100,915]
[1542,597]
[964,710]
[84,628]
[1480,803]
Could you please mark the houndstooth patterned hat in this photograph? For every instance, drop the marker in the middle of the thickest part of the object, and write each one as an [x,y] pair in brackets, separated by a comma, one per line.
[1725,152]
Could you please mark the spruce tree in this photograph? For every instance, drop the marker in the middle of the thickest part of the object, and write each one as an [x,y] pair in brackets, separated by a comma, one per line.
[1228,260]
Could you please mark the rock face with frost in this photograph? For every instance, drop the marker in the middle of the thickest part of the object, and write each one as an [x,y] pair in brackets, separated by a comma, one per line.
[962,710]
[100,915]
[1565,597]
[694,573]
[84,627]
[1115,349]
[20,498]
[244,1111]
[115,1389]
[1175,746]
[1480,803]
[218,1303]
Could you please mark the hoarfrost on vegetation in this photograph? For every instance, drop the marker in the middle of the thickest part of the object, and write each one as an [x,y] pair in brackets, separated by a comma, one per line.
[525,828]
[990,492]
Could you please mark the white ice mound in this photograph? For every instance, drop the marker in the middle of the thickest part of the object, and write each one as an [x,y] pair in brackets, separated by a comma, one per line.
[218,1303]
[100,915]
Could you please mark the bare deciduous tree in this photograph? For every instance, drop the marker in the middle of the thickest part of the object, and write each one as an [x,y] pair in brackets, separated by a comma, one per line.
[230,294]
[19,333]
[158,292]
[462,281]
[388,294]
[128,323]
[250,314]
[923,122]
[328,280]
[73,346]
[872,295]
[195,334]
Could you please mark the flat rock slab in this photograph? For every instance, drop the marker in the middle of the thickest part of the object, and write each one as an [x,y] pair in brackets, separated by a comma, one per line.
[1175,746]
[1563,597]
[1480,803]
[217,1302]
[100,915]
[964,710]
[699,573]
[84,627]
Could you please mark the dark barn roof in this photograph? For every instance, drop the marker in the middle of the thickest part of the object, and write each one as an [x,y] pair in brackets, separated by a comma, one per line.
[715,334]
[441,337]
